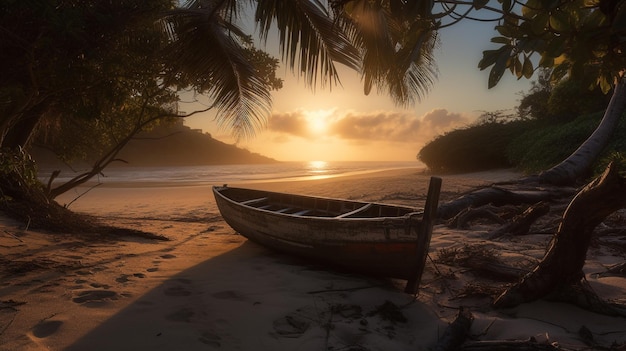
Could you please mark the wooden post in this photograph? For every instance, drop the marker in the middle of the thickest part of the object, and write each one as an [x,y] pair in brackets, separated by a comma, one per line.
[424,233]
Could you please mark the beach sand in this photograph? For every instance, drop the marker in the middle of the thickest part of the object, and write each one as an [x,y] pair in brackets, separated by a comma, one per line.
[209,288]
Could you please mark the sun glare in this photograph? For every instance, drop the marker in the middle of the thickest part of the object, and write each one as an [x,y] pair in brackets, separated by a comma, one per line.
[318,121]
[318,166]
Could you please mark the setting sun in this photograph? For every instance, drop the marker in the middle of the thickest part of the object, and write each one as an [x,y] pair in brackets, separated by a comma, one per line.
[318,121]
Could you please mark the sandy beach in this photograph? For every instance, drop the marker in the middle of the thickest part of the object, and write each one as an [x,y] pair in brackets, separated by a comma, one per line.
[209,288]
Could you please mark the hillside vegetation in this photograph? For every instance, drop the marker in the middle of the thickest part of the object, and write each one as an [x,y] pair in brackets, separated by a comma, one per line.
[170,145]
[181,146]
[552,121]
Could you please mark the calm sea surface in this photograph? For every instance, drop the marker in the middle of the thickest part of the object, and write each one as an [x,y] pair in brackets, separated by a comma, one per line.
[242,173]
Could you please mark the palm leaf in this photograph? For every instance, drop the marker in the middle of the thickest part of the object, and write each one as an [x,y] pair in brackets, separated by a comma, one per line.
[397,55]
[208,54]
[309,39]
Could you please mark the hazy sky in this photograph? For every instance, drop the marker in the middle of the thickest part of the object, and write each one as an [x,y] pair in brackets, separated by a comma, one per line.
[342,124]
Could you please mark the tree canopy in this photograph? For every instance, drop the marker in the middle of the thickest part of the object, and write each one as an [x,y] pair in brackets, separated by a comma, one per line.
[92,66]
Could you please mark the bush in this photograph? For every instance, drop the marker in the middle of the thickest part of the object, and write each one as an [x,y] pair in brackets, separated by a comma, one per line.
[475,148]
[529,146]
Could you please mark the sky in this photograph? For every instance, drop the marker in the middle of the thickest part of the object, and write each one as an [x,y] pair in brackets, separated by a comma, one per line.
[343,124]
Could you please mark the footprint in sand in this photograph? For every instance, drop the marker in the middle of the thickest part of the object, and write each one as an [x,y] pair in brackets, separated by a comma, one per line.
[182,315]
[153,269]
[228,295]
[211,339]
[122,278]
[168,256]
[44,329]
[291,326]
[95,296]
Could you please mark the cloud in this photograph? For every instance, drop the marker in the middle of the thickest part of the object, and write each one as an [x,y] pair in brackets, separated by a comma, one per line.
[441,119]
[396,126]
[386,126]
[294,123]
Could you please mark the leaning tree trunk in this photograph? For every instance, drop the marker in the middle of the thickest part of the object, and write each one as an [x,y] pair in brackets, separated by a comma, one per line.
[562,265]
[578,164]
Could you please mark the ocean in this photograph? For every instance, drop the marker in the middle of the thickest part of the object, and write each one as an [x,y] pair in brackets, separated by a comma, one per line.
[247,173]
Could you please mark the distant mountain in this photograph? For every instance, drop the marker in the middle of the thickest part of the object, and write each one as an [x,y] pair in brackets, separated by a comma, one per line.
[180,145]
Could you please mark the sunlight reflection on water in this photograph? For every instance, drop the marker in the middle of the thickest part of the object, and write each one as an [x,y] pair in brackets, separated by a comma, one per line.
[218,174]
[318,166]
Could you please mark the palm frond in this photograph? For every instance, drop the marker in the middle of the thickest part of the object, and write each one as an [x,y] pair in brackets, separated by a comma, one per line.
[309,39]
[397,55]
[209,56]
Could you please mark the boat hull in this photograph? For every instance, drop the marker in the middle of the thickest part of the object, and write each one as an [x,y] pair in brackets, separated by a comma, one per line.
[381,246]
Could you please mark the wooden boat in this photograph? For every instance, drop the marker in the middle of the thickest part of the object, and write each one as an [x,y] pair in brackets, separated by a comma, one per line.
[372,238]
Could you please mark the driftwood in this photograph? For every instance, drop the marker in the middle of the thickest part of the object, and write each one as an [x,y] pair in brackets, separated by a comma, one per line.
[454,339]
[457,331]
[509,345]
[618,269]
[520,225]
[494,270]
[491,195]
[462,219]
[562,264]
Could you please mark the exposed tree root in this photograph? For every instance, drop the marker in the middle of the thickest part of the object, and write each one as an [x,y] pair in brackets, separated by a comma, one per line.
[562,265]
[582,295]
[520,225]
[492,195]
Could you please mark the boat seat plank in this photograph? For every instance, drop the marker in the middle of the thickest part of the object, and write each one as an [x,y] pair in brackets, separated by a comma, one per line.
[283,210]
[253,201]
[302,213]
[360,209]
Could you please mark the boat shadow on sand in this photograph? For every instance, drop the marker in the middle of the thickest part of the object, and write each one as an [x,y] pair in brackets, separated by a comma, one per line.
[252,298]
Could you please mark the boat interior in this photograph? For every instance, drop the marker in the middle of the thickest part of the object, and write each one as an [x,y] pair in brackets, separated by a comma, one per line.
[313,206]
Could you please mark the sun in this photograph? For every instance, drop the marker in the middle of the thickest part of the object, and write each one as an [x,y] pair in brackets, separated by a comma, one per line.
[318,121]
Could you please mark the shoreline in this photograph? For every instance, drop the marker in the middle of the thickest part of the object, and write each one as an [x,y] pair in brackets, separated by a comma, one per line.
[199,183]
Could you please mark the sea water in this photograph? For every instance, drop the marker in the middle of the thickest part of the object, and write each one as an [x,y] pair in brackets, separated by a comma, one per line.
[240,173]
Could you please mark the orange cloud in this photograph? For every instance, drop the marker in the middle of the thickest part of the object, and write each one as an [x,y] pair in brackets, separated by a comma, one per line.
[294,123]
[392,126]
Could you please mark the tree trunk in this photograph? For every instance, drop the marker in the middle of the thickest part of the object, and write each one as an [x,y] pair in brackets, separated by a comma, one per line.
[562,265]
[20,133]
[578,164]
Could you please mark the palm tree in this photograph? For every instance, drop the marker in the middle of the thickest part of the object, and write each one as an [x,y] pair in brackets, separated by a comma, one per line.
[391,53]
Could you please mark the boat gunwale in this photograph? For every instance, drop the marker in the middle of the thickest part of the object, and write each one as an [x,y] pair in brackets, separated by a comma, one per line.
[415,211]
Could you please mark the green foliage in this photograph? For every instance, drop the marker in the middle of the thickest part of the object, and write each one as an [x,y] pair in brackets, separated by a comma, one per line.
[474,148]
[530,146]
[542,146]
[575,38]
[534,103]
[18,175]
[560,102]
[569,99]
